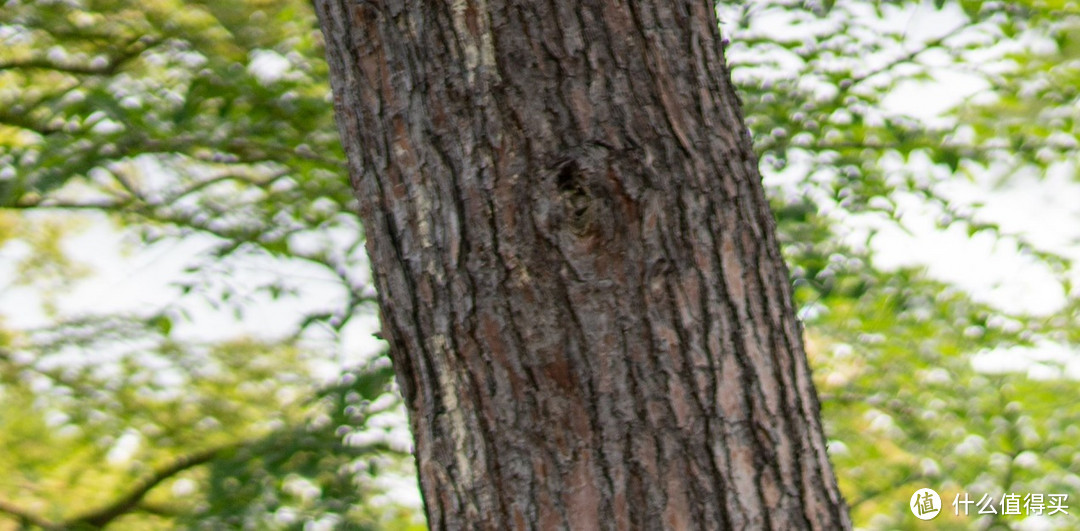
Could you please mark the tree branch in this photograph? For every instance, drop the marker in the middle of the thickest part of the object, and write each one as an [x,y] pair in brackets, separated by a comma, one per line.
[908,57]
[104,515]
[158,509]
[24,516]
[64,205]
[23,122]
[131,49]
[38,63]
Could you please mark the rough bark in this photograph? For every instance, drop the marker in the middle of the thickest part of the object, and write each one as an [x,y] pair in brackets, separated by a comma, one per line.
[578,272]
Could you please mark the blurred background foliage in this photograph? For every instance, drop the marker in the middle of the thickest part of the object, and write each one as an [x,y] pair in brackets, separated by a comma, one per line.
[900,357]
[210,122]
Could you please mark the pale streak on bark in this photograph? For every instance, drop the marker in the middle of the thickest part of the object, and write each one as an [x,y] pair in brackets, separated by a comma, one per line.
[474,34]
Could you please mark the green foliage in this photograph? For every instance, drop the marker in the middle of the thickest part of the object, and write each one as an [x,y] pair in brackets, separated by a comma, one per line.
[908,398]
[311,473]
[239,407]
[183,121]
[213,118]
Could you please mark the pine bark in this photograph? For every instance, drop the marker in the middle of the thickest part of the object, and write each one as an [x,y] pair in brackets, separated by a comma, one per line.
[577,268]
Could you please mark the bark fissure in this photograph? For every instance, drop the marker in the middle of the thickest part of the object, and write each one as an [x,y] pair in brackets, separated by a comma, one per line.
[576,266]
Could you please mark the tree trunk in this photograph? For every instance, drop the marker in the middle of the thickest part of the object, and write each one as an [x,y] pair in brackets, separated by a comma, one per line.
[578,271]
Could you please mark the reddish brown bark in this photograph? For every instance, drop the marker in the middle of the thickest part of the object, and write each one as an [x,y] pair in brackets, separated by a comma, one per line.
[578,273]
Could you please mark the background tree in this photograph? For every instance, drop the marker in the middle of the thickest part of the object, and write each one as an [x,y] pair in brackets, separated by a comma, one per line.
[909,399]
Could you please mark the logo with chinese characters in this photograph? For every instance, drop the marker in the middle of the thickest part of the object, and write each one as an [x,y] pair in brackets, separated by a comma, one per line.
[925,504]
[1030,504]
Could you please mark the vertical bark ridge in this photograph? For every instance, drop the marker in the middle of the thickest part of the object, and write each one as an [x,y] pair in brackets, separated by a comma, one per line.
[577,269]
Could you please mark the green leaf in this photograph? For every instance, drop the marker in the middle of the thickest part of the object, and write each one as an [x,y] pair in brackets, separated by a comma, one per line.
[162,323]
